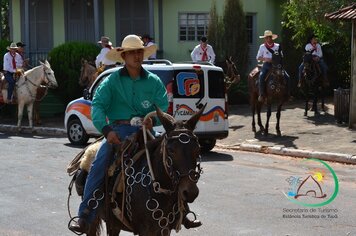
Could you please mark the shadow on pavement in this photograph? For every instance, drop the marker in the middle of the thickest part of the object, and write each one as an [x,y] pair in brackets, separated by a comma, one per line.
[216,156]
[284,140]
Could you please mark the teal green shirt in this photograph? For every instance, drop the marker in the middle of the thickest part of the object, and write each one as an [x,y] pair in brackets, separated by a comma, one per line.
[119,97]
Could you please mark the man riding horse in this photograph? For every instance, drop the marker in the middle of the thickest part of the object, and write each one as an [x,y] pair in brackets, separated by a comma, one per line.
[314,48]
[128,93]
[12,62]
[264,54]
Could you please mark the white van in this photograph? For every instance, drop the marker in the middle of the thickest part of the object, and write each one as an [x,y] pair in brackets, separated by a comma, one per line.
[189,87]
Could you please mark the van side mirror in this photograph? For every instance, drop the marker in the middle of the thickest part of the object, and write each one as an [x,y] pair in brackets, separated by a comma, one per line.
[86,94]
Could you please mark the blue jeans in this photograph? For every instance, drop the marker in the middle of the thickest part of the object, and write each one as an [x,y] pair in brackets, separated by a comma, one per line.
[261,79]
[96,175]
[10,79]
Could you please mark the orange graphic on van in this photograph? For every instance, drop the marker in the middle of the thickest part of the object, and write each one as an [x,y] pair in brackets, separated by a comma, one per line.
[83,106]
[213,114]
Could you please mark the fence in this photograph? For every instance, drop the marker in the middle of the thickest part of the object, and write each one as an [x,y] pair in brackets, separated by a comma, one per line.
[35,57]
[341,105]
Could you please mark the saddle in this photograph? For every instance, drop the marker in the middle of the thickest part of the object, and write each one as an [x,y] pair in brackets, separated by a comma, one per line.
[4,86]
[132,148]
[255,71]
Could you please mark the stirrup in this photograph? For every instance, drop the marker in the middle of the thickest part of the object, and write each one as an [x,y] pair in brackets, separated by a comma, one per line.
[70,225]
[188,224]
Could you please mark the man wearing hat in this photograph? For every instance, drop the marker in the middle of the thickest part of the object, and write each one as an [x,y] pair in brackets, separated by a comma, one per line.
[129,92]
[203,52]
[315,48]
[265,56]
[12,62]
[21,51]
[148,41]
[101,59]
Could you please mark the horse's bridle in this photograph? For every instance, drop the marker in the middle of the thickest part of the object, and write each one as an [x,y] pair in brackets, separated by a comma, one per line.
[175,175]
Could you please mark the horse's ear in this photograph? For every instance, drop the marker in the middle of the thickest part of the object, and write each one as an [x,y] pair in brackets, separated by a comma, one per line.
[192,122]
[166,120]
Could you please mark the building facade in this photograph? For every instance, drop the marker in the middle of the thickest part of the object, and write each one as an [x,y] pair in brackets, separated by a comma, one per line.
[175,25]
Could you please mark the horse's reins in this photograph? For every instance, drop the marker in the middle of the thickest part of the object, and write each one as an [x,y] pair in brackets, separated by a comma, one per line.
[156,185]
[26,79]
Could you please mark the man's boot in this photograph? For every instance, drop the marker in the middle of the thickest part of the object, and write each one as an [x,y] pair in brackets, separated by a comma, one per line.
[191,223]
[80,227]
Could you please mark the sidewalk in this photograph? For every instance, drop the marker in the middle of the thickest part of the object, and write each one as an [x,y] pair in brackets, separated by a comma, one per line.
[312,136]
[316,137]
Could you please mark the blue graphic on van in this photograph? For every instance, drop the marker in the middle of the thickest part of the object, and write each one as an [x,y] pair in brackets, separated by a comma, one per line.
[188,83]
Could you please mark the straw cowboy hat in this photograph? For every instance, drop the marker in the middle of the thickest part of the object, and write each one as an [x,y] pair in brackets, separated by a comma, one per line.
[269,33]
[130,42]
[12,46]
[105,40]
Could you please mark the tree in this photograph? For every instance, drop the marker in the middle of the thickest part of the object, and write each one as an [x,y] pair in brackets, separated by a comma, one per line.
[228,36]
[215,31]
[301,18]
[4,20]
[235,34]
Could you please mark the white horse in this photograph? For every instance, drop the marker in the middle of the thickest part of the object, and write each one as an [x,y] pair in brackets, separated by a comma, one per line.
[26,89]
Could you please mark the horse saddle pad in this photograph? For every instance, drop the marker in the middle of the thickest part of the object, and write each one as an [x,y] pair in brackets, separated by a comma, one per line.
[255,71]
[3,83]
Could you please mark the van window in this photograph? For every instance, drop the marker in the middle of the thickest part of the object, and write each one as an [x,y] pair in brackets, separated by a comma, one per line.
[216,84]
[188,84]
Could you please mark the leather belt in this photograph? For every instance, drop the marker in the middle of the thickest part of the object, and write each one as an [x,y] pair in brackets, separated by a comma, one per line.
[121,122]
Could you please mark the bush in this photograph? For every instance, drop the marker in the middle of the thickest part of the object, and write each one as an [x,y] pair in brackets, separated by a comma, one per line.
[3,45]
[65,61]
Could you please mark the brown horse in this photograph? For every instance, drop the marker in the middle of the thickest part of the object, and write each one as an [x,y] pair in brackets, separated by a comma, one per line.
[231,76]
[150,195]
[311,83]
[88,74]
[276,91]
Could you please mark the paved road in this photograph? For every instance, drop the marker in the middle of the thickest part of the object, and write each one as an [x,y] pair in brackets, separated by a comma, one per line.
[241,193]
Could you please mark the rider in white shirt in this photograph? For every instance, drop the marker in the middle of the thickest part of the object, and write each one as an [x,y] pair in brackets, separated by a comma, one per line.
[101,59]
[12,62]
[203,52]
[314,47]
[265,56]
[148,41]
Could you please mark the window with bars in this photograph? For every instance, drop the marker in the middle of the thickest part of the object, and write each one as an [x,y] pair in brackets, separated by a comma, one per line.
[192,26]
[249,28]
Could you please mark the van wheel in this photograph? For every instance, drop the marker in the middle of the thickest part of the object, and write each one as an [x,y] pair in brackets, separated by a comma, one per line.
[207,144]
[76,133]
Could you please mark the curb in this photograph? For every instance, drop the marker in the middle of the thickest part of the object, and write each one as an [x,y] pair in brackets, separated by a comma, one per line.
[326,156]
[36,130]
